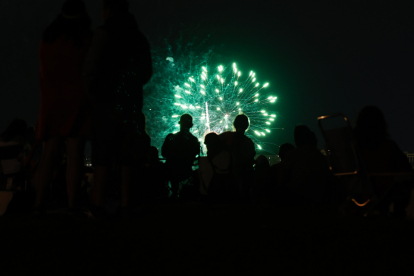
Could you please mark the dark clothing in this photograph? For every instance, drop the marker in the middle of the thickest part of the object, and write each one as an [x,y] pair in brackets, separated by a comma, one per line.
[309,172]
[124,55]
[117,67]
[180,150]
[64,107]
[385,158]
[114,141]
[242,151]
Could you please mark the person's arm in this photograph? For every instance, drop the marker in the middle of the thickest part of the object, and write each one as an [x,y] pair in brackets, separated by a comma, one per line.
[95,52]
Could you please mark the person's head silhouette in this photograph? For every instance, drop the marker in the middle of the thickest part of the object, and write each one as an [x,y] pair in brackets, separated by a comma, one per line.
[284,150]
[186,122]
[371,129]
[114,7]
[304,136]
[241,123]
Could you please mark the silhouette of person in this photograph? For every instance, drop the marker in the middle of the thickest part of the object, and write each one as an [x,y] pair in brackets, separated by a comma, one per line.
[382,155]
[242,151]
[213,144]
[307,166]
[64,107]
[180,150]
[117,67]
[271,183]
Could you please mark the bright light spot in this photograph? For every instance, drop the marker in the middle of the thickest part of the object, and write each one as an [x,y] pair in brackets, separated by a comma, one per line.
[239,108]
[175,116]
[237,103]
[191,79]
[273,115]
[263,133]
[256,100]
[271,119]
[240,90]
[218,108]
[202,85]
[235,83]
[267,130]
[203,77]
[220,98]
[186,84]
[257,133]
[177,104]
[263,111]
[220,68]
[251,72]
[198,106]
[202,92]
[204,69]
[268,123]
[195,131]
[239,73]
[254,80]
[184,106]
[218,77]
[222,80]
[188,92]
[178,96]
[217,90]
[257,95]
[191,106]
[266,84]
[221,122]
[259,146]
[234,65]
[257,84]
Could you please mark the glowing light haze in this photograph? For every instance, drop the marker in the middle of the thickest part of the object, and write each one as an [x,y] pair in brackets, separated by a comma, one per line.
[213,96]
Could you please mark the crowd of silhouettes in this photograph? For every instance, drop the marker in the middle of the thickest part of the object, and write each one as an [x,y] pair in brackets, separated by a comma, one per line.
[91,86]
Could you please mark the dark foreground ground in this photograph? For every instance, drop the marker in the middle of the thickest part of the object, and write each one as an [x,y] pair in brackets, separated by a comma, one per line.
[197,239]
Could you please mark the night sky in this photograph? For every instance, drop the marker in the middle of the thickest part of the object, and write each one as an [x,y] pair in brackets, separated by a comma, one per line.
[319,59]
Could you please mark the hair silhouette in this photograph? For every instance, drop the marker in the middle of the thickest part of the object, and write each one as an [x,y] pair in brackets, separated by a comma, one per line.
[370,127]
[73,22]
[304,136]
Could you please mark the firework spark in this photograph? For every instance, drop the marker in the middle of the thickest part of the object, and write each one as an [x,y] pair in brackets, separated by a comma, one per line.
[214,97]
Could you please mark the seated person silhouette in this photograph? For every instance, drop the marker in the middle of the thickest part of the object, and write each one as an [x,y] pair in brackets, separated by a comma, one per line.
[242,151]
[12,141]
[215,168]
[307,166]
[180,150]
[382,155]
[272,180]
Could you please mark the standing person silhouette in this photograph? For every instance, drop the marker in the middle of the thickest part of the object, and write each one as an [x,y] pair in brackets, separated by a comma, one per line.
[242,150]
[64,103]
[117,67]
[180,150]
